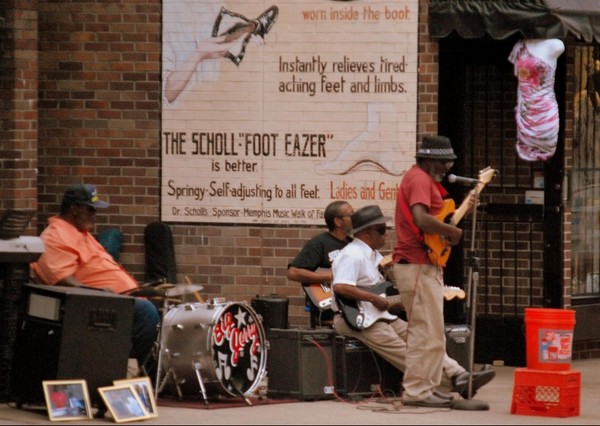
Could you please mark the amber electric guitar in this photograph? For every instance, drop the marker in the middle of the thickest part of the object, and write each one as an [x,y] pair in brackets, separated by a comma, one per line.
[438,247]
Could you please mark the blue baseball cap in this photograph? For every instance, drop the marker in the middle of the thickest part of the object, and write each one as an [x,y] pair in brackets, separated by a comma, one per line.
[84,194]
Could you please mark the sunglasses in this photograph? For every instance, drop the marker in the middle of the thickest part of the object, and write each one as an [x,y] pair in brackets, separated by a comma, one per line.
[447,163]
[381,230]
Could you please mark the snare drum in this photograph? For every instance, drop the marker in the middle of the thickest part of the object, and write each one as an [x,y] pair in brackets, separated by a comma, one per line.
[224,341]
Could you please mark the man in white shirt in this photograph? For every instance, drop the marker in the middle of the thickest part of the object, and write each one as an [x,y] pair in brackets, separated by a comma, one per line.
[355,272]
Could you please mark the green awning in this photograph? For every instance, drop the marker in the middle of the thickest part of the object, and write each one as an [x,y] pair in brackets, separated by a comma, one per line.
[502,18]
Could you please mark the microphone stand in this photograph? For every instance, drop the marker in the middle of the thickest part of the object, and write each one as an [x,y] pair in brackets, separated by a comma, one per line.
[472,283]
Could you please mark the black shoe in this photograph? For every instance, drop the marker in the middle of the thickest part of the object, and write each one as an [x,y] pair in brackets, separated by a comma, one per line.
[431,401]
[460,382]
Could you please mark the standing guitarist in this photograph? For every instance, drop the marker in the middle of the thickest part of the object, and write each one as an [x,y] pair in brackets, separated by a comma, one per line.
[355,274]
[312,265]
[419,278]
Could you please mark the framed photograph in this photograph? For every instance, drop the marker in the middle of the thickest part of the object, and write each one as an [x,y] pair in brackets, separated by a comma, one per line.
[143,388]
[67,400]
[123,403]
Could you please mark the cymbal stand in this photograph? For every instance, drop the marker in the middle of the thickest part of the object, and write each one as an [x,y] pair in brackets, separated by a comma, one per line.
[158,347]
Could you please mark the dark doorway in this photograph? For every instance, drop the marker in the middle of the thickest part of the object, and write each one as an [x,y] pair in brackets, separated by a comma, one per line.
[517,239]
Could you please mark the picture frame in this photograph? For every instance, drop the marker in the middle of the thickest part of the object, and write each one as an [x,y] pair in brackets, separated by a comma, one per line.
[143,388]
[67,400]
[123,403]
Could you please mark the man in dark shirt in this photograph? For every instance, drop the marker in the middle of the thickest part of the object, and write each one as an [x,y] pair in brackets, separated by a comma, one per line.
[312,265]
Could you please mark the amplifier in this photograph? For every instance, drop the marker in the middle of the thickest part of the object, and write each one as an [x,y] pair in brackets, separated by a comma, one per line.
[458,341]
[70,333]
[273,310]
[359,370]
[301,363]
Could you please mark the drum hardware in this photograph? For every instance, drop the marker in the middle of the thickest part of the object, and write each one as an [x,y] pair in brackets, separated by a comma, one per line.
[158,348]
[237,387]
[200,381]
[160,388]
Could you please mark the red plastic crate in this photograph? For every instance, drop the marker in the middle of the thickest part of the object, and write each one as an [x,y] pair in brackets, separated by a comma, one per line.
[546,393]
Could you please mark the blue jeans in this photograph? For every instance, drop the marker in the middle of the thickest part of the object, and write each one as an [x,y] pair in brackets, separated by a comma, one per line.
[145,328]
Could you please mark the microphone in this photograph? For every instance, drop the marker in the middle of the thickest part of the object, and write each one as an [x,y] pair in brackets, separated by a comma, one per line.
[459,179]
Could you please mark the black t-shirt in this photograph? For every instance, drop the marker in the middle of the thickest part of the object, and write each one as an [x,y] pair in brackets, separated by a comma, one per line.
[319,252]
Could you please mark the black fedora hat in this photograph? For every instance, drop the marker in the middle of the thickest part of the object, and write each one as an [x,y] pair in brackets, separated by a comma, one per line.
[436,147]
[368,216]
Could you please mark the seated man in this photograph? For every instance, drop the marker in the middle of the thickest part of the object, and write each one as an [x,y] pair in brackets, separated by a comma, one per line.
[355,272]
[312,265]
[74,258]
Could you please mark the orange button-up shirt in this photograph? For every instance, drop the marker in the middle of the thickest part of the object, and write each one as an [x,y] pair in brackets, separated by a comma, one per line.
[69,251]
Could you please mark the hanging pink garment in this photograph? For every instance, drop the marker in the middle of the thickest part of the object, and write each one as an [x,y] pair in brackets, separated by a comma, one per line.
[536,113]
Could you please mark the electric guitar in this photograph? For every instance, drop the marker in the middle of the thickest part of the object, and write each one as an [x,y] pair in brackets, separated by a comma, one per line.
[320,293]
[438,248]
[360,315]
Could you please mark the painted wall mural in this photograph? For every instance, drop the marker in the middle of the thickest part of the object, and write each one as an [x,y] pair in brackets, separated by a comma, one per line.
[271,110]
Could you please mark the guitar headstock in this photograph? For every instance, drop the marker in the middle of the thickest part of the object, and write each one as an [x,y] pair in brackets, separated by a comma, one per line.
[486,175]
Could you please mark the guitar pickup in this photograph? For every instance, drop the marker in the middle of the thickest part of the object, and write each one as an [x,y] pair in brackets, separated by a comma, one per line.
[325,303]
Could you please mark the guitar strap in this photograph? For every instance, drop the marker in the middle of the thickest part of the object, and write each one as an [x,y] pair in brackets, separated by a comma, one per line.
[405,210]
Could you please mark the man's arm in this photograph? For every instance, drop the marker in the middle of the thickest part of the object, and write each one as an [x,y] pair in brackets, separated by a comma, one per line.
[430,225]
[307,276]
[353,292]
[71,281]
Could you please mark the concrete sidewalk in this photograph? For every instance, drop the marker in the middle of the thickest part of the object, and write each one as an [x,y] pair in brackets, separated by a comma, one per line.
[498,394]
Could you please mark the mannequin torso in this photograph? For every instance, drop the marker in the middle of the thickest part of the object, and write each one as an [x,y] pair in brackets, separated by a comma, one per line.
[547,50]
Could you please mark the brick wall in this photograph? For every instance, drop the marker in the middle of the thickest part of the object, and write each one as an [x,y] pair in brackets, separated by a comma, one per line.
[99,122]
[18,105]
[99,71]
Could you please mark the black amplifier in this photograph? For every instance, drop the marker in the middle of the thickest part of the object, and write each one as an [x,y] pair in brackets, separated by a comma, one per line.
[301,364]
[458,341]
[360,371]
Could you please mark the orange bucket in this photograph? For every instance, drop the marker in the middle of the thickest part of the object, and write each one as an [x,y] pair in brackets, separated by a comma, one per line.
[549,338]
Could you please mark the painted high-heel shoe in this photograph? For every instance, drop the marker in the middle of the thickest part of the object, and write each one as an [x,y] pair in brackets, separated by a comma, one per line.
[240,26]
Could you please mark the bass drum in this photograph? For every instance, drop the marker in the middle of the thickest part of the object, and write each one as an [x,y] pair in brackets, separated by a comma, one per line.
[224,342]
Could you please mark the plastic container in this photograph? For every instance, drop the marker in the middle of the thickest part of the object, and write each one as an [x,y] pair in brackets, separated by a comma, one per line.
[549,338]
[546,393]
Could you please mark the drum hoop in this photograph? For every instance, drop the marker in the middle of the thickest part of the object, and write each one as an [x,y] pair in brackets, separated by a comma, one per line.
[262,368]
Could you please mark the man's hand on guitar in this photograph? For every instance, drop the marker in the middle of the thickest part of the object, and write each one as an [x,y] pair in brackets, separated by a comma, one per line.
[453,235]
[380,303]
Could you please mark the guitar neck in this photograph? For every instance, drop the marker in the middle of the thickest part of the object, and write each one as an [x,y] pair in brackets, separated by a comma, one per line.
[485,176]
[460,212]
[394,301]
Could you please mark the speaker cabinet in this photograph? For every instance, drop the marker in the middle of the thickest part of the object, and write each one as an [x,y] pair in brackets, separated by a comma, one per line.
[300,364]
[273,309]
[70,333]
[359,370]
[458,342]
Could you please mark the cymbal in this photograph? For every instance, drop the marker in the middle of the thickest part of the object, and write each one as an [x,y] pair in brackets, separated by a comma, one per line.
[146,292]
[180,290]
[165,286]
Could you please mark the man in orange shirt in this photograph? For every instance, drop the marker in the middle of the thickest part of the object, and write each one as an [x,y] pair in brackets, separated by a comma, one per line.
[74,258]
